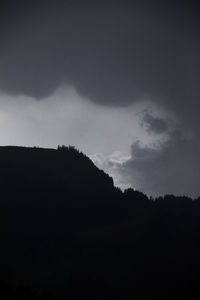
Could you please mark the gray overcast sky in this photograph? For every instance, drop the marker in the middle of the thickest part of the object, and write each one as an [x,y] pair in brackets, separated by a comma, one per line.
[118,79]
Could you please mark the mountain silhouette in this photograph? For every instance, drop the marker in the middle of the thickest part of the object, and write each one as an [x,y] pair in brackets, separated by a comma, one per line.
[66,229]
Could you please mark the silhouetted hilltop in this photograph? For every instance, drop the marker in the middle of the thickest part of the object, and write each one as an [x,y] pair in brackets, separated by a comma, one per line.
[65,165]
[66,229]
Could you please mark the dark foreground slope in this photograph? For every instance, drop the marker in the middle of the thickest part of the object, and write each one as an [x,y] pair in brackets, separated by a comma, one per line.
[66,229]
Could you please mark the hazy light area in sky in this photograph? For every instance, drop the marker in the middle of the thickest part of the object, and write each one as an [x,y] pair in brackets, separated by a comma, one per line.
[66,118]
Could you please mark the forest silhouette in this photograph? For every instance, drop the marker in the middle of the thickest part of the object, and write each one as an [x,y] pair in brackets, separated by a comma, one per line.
[67,230]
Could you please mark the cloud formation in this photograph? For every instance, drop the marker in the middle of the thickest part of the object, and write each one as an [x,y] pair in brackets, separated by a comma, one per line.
[171,167]
[155,125]
[113,53]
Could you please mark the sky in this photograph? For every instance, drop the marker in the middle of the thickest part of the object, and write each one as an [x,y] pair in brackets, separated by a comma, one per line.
[119,80]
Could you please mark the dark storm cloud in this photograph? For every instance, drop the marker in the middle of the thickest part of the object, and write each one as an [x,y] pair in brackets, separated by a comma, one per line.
[154,124]
[169,165]
[112,52]
[174,168]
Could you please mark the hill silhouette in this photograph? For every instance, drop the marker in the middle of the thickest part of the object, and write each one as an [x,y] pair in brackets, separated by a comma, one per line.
[65,228]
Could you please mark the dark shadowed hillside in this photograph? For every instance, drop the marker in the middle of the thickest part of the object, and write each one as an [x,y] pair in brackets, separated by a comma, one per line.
[66,229]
